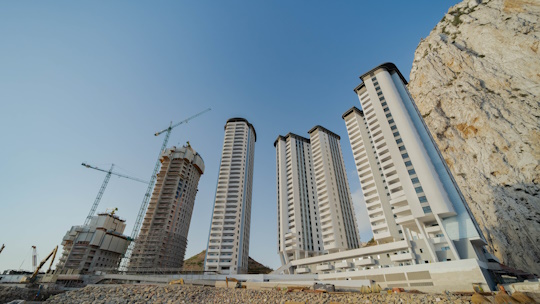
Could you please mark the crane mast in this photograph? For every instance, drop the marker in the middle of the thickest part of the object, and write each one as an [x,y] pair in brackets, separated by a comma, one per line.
[103,187]
[146,199]
[99,195]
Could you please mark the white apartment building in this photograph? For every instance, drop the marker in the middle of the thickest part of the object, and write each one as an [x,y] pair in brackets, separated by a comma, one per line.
[162,242]
[336,212]
[426,236]
[227,251]
[406,183]
[299,230]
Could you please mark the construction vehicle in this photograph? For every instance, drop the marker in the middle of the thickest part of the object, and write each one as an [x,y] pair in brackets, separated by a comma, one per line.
[238,283]
[33,277]
[179,281]
[148,194]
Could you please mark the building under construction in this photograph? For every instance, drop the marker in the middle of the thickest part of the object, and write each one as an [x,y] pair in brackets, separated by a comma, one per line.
[97,246]
[162,241]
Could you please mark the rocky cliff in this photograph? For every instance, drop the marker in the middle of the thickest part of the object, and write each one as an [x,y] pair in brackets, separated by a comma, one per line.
[476,80]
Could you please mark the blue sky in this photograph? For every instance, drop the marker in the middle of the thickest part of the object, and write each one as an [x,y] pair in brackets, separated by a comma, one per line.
[93,81]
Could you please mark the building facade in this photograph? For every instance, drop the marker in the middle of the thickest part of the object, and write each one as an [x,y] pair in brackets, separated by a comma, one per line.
[404,178]
[337,218]
[299,230]
[162,240]
[227,250]
[100,245]
[425,235]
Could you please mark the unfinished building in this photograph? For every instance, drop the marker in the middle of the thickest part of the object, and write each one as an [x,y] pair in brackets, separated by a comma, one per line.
[162,242]
[100,245]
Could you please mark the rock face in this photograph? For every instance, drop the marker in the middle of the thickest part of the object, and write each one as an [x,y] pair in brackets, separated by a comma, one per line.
[476,81]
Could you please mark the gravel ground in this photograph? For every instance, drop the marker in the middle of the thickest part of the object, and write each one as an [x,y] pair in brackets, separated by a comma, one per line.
[197,294]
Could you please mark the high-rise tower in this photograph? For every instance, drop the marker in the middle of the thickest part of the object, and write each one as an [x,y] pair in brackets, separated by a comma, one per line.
[163,238]
[409,191]
[337,218]
[299,230]
[227,251]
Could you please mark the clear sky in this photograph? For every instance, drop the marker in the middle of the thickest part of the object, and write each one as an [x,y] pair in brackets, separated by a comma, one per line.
[92,81]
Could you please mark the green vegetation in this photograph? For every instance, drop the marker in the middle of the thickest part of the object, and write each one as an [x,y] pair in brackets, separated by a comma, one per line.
[196,263]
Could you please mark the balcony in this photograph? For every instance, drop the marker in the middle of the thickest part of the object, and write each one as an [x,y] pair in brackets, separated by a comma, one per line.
[325,267]
[364,262]
[402,257]
[438,240]
[290,242]
[433,229]
[402,209]
[342,265]
[404,219]
[301,270]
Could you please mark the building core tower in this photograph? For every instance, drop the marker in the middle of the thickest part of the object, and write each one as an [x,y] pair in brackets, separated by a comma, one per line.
[299,230]
[409,191]
[337,218]
[163,238]
[227,250]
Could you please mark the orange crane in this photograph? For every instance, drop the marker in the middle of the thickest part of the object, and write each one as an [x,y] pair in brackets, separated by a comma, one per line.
[146,198]
[103,186]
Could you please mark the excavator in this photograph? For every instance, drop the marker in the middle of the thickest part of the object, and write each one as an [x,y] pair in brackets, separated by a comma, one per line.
[238,283]
[32,279]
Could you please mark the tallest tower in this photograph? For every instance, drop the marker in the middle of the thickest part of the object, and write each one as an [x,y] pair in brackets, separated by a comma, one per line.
[408,189]
[228,241]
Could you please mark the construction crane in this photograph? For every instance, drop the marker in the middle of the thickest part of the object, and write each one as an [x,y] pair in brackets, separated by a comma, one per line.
[146,198]
[34,258]
[1,249]
[32,278]
[103,186]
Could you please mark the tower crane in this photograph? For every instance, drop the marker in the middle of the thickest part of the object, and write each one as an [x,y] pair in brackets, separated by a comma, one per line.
[146,198]
[103,186]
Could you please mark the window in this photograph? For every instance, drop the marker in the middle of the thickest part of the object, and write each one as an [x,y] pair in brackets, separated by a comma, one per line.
[396,134]
[422,199]
[380,93]
[404,155]
[414,180]
[399,141]
[411,172]
[383,104]
[445,248]
[401,148]
[388,115]
[408,163]
[419,189]
[426,209]
[393,127]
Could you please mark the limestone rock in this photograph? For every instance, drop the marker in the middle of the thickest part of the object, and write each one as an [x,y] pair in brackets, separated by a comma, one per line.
[476,81]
